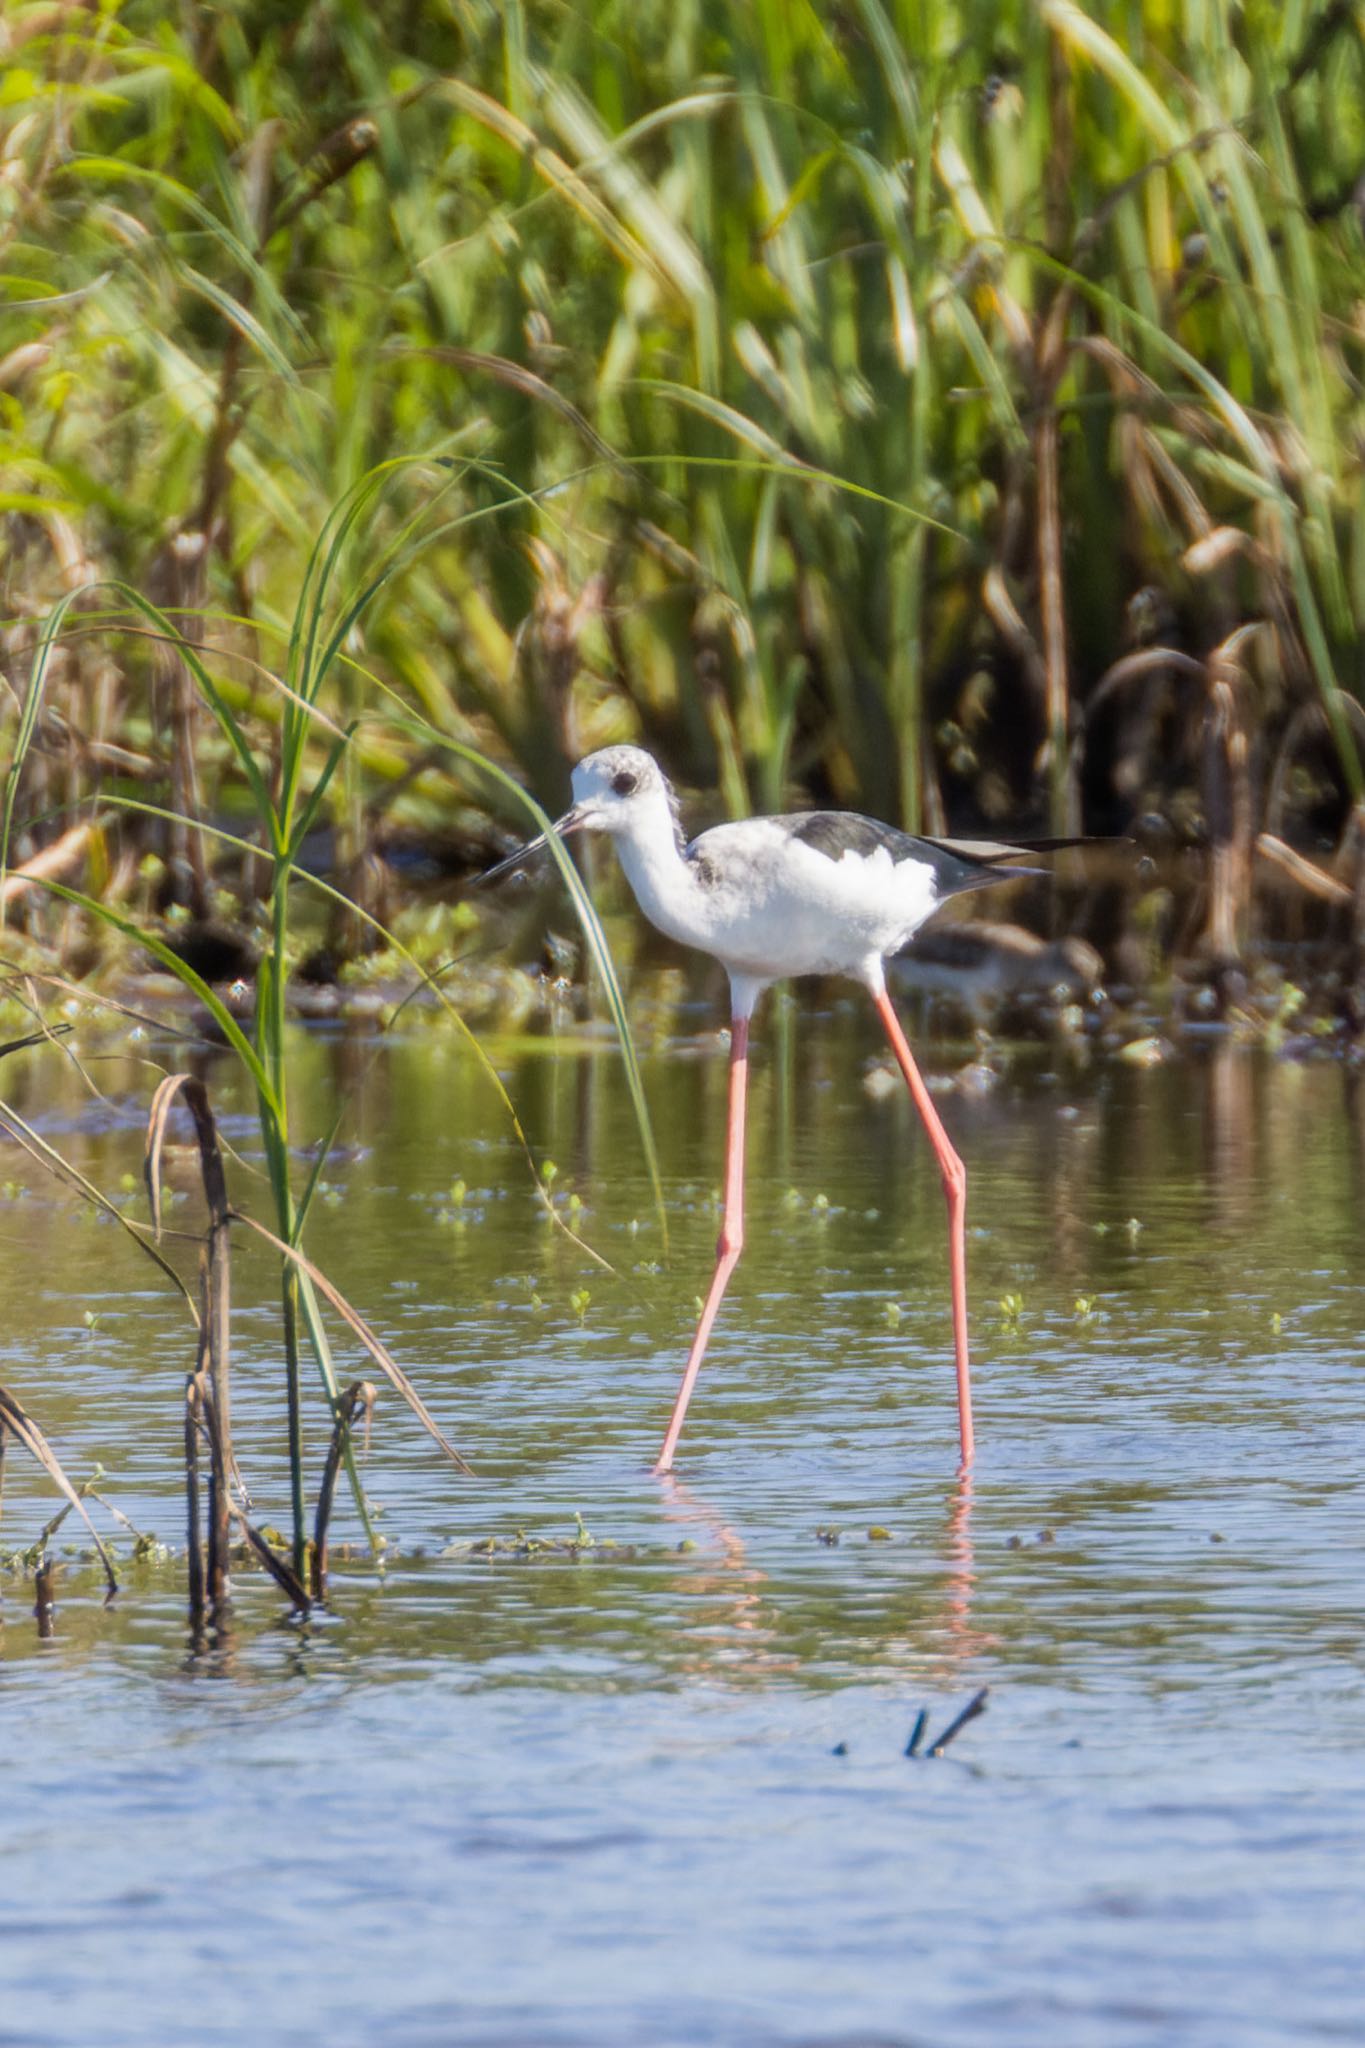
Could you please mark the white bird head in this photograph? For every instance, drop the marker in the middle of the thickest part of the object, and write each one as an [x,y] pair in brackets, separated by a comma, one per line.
[621,790]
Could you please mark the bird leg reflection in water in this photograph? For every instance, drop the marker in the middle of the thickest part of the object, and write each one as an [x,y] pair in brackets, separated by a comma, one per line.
[742,1627]
[820,892]
[746,1625]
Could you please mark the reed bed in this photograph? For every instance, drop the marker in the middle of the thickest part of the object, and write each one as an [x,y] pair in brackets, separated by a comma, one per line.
[833,401]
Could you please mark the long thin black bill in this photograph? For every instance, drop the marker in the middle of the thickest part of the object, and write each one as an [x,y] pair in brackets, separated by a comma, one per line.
[572,821]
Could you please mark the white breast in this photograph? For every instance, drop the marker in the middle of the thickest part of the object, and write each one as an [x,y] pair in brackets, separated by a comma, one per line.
[770,906]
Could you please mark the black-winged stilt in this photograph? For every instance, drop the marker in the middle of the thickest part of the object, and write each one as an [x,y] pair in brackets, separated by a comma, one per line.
[819,892]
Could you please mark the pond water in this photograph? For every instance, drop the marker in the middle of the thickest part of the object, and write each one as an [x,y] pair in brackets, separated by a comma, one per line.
[654,1789]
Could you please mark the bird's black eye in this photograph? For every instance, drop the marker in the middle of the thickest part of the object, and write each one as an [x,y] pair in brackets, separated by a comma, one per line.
[625,784]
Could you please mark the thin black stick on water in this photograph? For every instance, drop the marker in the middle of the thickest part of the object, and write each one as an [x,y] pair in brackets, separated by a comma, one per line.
[917,1732]
[976,1705]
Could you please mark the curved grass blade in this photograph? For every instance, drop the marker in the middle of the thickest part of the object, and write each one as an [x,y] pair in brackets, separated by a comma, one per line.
[183,973]
[35,1443]
[1244,434]
[356,1323]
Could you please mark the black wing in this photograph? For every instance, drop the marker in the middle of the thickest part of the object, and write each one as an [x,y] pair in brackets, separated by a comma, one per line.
[957,864]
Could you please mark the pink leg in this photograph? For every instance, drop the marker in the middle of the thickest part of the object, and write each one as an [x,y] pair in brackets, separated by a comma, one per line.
[731,1234]
[955,1188]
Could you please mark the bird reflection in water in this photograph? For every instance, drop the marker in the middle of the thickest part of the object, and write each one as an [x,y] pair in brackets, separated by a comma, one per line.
[744,1625]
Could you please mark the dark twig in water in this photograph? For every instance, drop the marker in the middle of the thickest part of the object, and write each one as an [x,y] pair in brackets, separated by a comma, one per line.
[361,1394]
[976,1705]
[279,1568]
[917,1732]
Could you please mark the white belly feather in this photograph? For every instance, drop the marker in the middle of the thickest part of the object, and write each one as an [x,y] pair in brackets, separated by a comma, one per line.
[770,906]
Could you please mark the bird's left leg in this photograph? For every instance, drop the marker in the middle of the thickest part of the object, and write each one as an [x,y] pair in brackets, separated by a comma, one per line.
[955,1188]
[731,1233]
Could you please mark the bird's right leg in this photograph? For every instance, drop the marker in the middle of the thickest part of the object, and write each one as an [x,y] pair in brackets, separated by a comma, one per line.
[731,1233]
[954,1175]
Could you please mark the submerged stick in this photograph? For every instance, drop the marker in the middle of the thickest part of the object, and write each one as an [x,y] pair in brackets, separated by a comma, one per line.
[976,1705]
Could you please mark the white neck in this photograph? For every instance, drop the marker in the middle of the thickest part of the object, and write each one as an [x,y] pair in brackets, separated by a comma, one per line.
[665,886]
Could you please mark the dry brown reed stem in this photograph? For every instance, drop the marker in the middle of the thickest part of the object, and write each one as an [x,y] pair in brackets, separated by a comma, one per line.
[1227,803]
[1310,877]
[1063,805]
[361,1394]
[27,1432]
[1224,773]
[218,1296]
[58,859]
[208,1396]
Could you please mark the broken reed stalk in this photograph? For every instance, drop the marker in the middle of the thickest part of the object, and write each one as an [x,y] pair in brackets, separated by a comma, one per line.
[208,1404]
[361,1394]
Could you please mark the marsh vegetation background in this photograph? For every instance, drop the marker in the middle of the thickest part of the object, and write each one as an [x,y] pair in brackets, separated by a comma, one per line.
[949,411]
